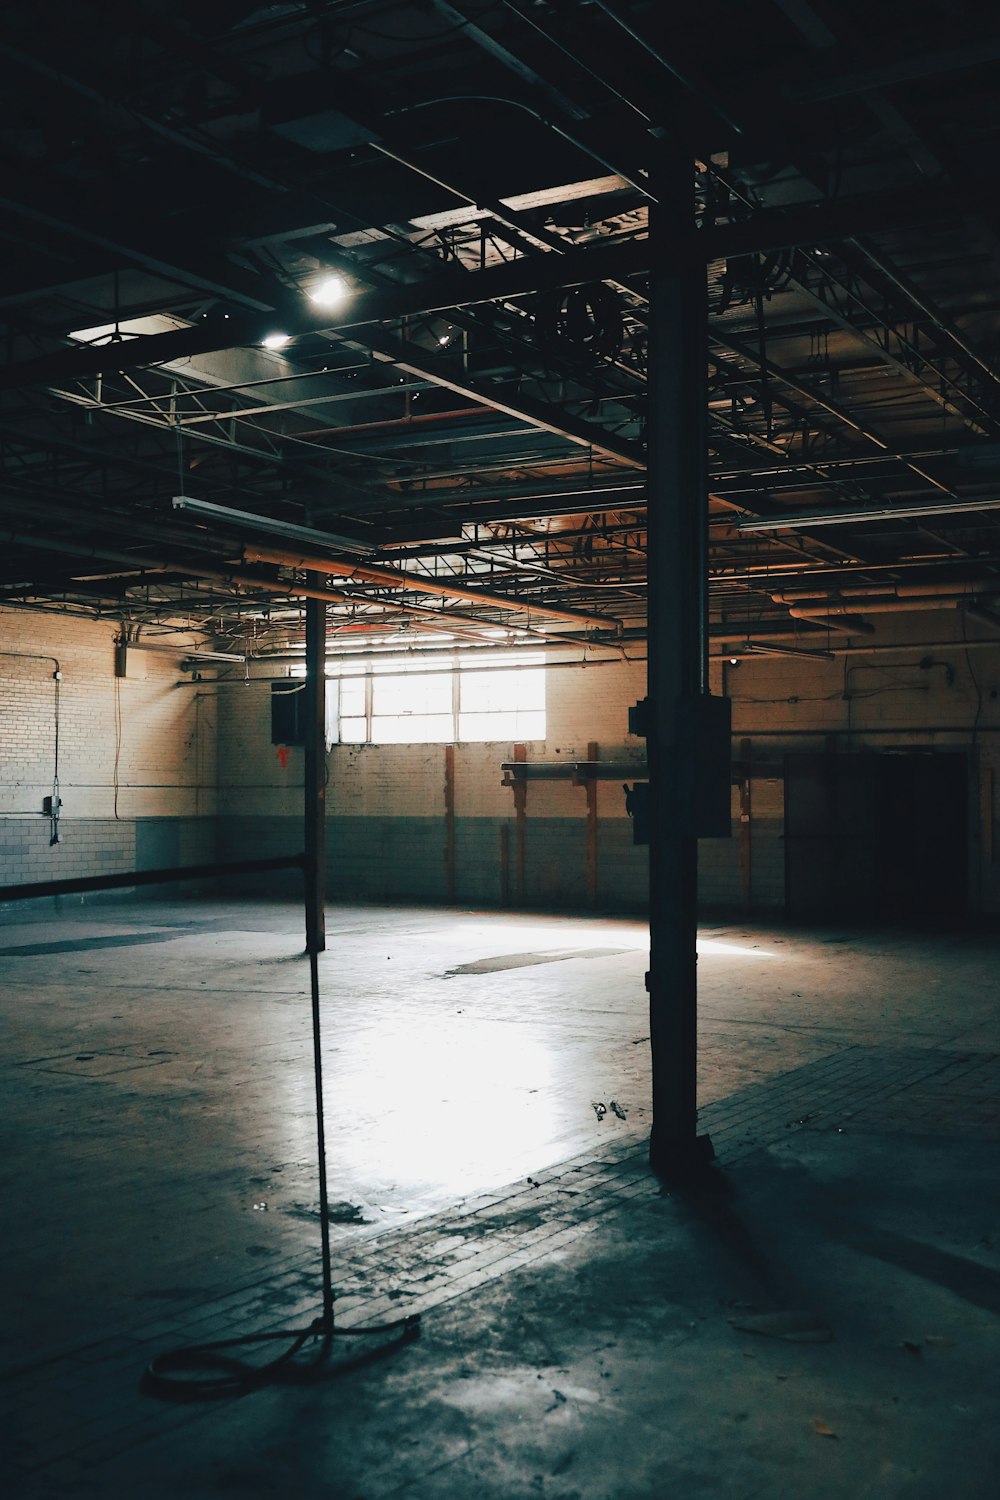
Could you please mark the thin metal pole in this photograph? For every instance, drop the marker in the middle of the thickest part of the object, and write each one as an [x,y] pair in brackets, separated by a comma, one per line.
[314,814]
[314,788]
[324,1203]
[677,667]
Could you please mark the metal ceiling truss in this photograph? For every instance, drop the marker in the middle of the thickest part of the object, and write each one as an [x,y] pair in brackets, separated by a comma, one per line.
[470,419]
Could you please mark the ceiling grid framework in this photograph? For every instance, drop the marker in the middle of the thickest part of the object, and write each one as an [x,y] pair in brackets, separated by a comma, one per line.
[367,282]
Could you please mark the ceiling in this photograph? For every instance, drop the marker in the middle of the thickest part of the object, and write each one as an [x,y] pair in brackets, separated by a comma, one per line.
[443,209]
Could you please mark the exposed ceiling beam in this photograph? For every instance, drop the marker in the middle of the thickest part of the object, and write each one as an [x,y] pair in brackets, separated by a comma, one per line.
[547,418]
[865,515]
[805,224]
[51,201]
[824,402]
[419,583]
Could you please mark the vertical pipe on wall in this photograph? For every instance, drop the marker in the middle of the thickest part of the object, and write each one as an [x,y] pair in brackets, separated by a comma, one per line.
[678,665]
[449,822]
[746,810]
[520,824]
[591,788]
[314,781]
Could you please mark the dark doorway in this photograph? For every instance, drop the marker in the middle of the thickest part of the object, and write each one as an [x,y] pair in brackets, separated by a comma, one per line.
[881,836]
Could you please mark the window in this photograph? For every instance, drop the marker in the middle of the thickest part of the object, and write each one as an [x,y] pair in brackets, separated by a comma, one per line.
[484,698]
[352,714]
[502,703]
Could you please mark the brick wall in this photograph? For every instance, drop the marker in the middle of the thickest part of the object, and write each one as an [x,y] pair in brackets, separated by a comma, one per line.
[939,694]
[387,834]
[136,755]
[388,831]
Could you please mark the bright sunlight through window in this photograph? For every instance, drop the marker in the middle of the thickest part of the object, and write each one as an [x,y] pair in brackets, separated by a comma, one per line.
[488,698]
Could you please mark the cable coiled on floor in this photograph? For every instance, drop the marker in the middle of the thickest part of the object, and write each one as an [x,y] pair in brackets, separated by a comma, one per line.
[203,1371]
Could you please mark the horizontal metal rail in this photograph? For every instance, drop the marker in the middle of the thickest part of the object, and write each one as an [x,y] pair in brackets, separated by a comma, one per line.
[570,770]
[148,877]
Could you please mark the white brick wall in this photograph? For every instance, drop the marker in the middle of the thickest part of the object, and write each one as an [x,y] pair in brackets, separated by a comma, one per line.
[583,704]
[166,761]
[167,765]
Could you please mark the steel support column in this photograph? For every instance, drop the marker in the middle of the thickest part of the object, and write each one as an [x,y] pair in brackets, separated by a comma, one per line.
[677,671]
[314,781]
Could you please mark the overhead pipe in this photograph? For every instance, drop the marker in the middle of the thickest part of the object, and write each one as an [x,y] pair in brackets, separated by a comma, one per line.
[230,577]
[432,619]
[440,618]
[400,578]
[820,609]
[888,596]
[762,572]
[823,612]
[957,590]
[882,648]
[960,590]
[849,624]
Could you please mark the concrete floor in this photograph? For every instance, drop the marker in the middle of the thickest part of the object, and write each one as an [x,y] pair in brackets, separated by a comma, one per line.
[580,1335]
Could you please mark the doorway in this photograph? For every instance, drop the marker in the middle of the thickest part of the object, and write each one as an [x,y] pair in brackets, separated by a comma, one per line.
[880,836]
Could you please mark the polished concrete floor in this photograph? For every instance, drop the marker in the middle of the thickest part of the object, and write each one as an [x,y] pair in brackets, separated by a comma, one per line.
[822,1322]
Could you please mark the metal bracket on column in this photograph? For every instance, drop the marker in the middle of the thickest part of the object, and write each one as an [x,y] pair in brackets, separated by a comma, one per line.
[516,778]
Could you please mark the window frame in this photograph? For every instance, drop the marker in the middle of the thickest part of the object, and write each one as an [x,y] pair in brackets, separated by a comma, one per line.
[457,670]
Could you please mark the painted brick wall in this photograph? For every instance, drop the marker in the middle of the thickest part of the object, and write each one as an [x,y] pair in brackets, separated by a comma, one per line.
[386,830]
[938,694]
[137,755]
[198,777]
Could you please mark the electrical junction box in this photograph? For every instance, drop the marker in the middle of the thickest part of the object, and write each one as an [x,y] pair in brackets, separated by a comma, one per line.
[697,770]
[638,718]
[637,807]
[51,806]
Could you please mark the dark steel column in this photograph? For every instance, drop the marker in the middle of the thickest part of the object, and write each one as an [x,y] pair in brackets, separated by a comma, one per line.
[677,667]
[315,771]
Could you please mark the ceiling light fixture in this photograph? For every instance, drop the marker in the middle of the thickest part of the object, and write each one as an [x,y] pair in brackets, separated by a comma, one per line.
[762,648]
[330,292]
[246,520]
[860,517]
[276,340]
